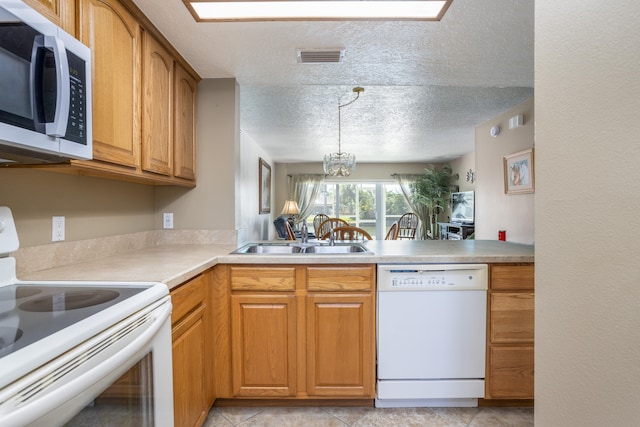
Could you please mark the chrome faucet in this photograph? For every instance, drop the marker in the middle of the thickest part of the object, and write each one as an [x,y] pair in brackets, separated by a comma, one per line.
[304,234]
[332,237]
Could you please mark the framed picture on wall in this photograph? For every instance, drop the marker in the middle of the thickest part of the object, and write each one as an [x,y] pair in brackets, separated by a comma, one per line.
[519,172]
[264,190]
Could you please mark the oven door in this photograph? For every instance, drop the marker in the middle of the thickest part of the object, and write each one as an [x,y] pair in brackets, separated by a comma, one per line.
[120,376]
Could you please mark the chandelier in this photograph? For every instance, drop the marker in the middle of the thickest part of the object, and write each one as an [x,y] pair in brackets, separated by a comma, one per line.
[341,164]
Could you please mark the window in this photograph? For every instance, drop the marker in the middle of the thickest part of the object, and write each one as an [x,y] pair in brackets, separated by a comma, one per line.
[373,206]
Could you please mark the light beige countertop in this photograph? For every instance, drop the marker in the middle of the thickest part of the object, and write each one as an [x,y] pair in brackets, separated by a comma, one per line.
[399,251]
[174,264]
[169,264]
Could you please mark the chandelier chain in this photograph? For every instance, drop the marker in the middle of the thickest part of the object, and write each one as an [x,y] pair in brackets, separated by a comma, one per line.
[357,91]
[341,164]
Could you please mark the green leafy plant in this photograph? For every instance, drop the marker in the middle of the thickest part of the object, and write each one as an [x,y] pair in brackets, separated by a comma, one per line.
[433,190]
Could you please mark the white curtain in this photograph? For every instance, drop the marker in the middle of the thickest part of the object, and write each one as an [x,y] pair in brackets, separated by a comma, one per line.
[304,189]
[405,182]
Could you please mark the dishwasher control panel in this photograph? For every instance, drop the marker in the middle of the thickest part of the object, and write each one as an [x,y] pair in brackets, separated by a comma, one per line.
[424,277]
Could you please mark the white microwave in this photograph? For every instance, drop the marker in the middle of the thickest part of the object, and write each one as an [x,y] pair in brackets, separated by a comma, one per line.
[45,87]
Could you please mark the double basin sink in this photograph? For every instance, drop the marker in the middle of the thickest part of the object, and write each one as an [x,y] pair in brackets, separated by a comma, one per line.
[302,248]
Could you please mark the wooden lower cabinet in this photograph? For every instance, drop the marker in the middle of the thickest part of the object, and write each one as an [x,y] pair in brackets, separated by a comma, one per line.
[511,372]
[192,370]
[263,337]
[296,331]
[510,335]
[340,356]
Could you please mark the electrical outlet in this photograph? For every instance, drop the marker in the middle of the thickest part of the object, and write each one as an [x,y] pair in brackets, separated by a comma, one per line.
[57,228]
[167,220]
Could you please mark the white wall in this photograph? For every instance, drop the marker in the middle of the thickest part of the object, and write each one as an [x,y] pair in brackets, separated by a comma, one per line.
[212,204]
[496,210]
[460,166]
[92,207]
[587,203]
[226,197]
[253,225]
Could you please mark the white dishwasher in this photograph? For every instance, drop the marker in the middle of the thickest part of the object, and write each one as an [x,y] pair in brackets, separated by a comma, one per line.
[431,334]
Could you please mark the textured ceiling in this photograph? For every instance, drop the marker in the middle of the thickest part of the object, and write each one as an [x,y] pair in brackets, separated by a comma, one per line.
[427,84]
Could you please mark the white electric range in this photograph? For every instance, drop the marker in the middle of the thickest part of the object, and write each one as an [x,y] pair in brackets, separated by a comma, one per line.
[81,352]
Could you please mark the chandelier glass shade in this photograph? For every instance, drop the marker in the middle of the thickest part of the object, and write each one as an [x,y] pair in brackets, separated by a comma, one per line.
[341,164]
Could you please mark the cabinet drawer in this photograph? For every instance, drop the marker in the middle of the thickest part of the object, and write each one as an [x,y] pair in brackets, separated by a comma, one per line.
[352,278]
[511,372]
[512,317]
[263,279]
[187,297]
[512,277]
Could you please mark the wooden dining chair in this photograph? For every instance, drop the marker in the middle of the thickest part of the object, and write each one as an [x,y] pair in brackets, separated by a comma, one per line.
[407,226]
[348,232]
[317,220]
[328,224]
[392,234]
[290,235]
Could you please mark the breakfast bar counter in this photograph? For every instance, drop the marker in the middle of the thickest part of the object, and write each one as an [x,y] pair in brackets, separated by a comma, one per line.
[174,264]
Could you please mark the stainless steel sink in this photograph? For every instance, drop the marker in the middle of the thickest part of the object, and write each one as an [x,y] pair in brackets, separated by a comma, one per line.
[342,248]
[265,248]
[302,248]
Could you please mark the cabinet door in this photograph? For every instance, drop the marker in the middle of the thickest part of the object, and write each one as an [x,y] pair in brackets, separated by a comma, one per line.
[60,12]
[113,35]
[188,370]
[263,353]
[157,108]
[340,345]
[184,134]
[192,355]
[511,372]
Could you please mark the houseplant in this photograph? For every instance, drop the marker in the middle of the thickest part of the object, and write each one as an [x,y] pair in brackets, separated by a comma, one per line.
[433,190]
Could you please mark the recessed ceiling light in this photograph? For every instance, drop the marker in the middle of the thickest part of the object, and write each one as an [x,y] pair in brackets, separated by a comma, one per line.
[317,10]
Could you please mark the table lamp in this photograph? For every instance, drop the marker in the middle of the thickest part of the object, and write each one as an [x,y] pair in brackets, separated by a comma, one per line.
[290,209]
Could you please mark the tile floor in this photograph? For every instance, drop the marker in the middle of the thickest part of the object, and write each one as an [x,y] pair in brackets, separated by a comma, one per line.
[361,417]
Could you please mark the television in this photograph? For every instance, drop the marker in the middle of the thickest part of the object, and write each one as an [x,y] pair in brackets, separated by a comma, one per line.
[462,207]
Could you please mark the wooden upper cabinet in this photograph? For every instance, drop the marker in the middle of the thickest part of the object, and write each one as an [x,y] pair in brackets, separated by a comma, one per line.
[184,130]
[143,95]
[113,35]
[157,108]
[60,12]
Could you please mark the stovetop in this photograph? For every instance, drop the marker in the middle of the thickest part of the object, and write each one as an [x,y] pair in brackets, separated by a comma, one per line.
[31,312]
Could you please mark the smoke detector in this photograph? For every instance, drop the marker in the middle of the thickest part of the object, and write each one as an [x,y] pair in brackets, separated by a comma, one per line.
[320,56]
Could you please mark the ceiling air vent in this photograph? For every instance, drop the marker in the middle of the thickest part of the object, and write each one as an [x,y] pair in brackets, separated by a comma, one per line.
[320,56]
